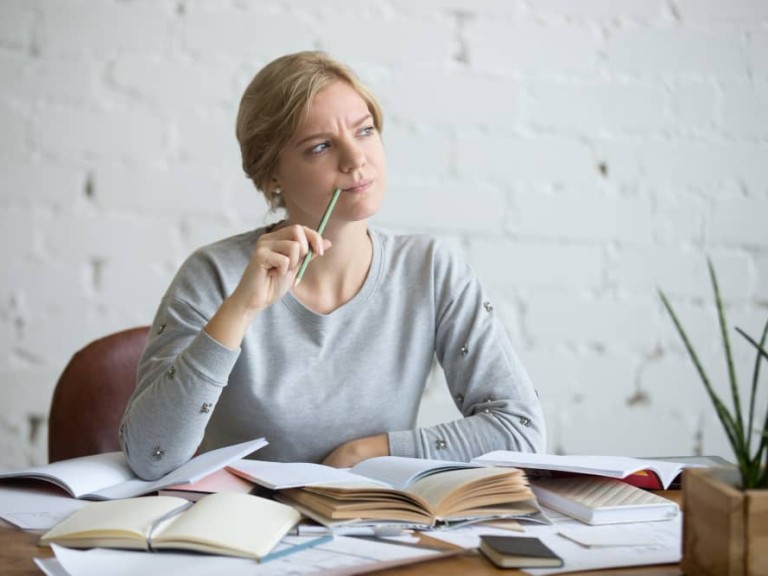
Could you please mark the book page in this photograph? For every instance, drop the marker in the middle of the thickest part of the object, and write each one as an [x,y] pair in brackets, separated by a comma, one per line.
[79,476]
[230,523]
[611,466]
[108,476]
[456,491]
[400,472]
[128,520]
[386,471]
[283,475]
[329,506]
[196,469]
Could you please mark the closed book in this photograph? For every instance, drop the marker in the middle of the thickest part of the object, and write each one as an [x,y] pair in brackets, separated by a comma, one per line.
[599,500]
[518,552]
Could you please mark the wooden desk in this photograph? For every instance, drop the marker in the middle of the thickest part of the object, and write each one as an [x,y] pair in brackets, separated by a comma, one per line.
[18,548]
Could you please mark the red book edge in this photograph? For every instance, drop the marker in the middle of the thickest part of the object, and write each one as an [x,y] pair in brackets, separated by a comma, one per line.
[645,479]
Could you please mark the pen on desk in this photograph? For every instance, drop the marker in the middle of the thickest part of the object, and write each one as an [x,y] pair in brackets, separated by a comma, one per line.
[320,229]
[376,531]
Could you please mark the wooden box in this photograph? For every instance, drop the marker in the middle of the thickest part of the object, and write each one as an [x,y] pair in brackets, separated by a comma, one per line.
[725,530]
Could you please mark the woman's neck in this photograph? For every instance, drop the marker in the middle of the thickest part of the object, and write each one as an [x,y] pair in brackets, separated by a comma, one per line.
[333,279]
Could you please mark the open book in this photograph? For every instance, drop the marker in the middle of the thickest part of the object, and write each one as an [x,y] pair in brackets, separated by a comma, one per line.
[413,492]
[107,476]
[225,523]
[653,474]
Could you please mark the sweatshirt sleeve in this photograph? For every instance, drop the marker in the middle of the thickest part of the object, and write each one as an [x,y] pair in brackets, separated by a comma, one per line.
[500,407]
[179,380]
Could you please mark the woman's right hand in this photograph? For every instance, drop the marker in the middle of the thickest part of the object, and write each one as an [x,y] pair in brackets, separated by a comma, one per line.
[269,275]
[274,264]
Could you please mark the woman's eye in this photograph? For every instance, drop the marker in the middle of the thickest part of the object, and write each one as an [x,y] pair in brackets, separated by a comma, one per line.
[367,131]
[318,148]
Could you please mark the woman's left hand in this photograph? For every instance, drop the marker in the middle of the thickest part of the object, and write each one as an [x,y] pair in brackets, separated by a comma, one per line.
[354,451]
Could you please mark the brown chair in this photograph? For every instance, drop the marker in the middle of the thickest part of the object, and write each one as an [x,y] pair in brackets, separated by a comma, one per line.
[92,393]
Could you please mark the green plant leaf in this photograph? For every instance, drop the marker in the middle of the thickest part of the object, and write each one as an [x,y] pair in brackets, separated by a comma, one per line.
[728,355]
[755,374]
[760,347]
[762,450]
[752,466]
[726,419]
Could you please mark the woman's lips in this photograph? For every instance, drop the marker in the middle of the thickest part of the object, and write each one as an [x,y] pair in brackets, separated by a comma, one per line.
[358,187]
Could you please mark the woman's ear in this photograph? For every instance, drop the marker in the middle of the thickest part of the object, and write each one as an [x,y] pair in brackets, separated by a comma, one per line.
[274,194]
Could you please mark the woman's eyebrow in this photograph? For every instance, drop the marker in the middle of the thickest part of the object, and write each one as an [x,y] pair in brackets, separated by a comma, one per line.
[326,135]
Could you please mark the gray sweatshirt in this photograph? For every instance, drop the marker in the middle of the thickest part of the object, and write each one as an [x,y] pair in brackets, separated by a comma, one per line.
[309,382]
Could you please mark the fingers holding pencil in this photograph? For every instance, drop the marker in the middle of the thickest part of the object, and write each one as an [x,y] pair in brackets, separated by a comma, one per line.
[274,264]
[283,251]
[267,277]
[277,255]
[320,230]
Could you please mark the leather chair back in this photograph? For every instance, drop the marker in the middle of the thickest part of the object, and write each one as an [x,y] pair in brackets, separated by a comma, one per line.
[92,393]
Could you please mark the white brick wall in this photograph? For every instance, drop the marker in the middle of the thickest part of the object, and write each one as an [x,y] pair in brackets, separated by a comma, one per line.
[599,108]
[582,154]
[529,47]
[671,51]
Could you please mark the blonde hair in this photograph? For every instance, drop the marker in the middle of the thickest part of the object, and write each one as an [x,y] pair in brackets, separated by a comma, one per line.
[275,104]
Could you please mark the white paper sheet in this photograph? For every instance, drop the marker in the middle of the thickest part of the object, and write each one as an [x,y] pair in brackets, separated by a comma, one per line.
[663,543]
[666,548]
[37,507]
[594,536]
[341,556]
[50,567]
[468,537]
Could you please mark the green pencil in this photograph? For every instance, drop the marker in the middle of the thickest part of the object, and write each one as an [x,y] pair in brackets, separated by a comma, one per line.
[320,228]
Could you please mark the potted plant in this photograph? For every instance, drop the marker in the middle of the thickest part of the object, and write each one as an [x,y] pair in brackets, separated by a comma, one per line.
[725,511]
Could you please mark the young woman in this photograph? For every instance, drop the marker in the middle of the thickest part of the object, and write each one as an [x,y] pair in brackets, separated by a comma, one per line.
[330,369]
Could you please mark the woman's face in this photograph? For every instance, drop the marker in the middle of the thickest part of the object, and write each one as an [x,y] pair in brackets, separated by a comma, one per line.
[337,146]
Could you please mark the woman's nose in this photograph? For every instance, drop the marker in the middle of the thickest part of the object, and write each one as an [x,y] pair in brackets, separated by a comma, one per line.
[352,157]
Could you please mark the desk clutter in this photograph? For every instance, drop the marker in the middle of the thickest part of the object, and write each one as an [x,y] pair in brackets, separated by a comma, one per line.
[221,513]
